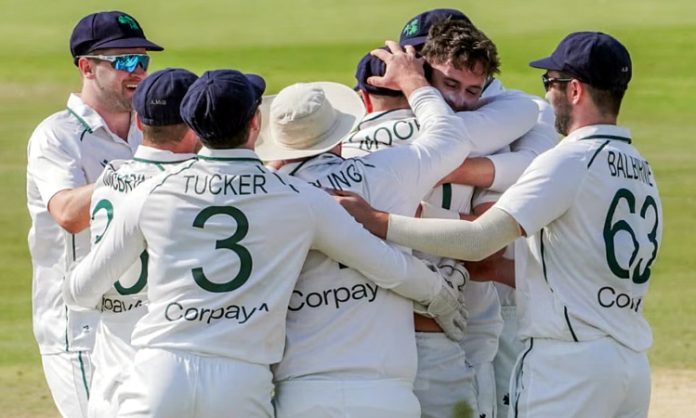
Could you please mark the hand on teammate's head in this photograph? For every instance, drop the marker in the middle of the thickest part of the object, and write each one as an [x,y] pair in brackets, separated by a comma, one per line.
[404,68]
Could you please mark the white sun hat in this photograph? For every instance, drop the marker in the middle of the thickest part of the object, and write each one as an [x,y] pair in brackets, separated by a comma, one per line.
[306,119]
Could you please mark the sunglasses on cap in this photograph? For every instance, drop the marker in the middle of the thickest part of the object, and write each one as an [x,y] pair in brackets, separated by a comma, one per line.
[128,63]
[547,81]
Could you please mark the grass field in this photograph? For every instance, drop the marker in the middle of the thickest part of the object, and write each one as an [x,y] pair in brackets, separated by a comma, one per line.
[290,41]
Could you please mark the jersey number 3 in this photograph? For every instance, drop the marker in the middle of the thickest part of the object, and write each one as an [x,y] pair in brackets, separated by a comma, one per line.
[230,243]
[611,228]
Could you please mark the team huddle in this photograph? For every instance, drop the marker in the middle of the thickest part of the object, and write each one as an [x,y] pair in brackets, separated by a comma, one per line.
[423,244]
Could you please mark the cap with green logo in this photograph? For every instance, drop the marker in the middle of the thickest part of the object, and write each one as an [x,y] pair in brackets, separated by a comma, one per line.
[111,29]
[415,32]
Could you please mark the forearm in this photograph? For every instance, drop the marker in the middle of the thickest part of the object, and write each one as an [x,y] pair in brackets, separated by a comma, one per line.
[453,238]
[70,208]
[498,269]
[476,171]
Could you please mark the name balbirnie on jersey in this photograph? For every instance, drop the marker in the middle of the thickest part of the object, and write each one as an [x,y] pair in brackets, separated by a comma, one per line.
[242,184]
[626,166]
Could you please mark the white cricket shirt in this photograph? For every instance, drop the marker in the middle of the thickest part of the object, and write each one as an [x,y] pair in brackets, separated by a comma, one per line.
[125,302]
[501,119]
[593,215]
[340,324]
[540,138]
[226,240]
[68,149]
[505,116]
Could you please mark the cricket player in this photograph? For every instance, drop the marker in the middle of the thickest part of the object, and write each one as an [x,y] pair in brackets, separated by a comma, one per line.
[389,125]
[434,31]
[167,141]
[592,215]
[337,356]
[66,154]
[445,377]
[226,240]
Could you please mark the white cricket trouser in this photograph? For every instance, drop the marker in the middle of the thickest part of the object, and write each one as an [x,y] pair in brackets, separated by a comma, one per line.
[69,376]
[373,398]
[599,378]
[509,348]
[171,383]
[484,379]
[445,379]
[112,358]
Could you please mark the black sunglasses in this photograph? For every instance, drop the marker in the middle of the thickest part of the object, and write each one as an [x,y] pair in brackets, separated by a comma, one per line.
[549,80]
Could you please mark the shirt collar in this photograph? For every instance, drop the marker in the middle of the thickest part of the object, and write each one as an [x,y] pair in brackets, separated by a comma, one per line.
[92,120]
[154,155]
[492,88]
[84,114]
[317,160]
[600,132]
[237,154]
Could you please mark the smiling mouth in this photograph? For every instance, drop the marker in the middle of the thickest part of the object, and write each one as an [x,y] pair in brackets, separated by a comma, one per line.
[130,86]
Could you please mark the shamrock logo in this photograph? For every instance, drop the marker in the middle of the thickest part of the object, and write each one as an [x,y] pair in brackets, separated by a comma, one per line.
[127,20]
[411,28]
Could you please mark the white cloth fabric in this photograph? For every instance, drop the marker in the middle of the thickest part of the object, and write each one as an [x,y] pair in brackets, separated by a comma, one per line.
[445,378]
[592,212]
[486,392]
[68,149]
[332,332]
[69,376]
[510,164]
[381,130]
[374,398]
[120,307]
[168,384]
[510,347]
[226,240]
[597,378]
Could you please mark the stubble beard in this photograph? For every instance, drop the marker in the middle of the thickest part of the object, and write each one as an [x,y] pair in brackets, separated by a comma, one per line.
[563,116]
[116,99]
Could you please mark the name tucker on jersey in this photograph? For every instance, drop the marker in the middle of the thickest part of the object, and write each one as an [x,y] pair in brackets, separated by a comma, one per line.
[242,184]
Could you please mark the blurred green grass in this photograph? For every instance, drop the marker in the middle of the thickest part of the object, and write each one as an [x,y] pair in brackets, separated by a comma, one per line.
[306,40]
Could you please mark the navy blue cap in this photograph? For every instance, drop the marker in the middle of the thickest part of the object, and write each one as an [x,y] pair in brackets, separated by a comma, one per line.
[221,102]
[370,66]
[594,58]
[415,32]
[157,99]
[103,30]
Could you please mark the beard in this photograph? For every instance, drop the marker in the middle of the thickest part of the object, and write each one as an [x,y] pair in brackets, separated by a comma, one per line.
[564,118]
[115,97]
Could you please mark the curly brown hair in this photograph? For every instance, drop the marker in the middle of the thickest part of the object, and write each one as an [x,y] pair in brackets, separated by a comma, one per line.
[462,44]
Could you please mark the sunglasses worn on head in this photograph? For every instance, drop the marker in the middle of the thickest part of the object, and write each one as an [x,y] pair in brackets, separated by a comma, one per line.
[550,80]
[128,63]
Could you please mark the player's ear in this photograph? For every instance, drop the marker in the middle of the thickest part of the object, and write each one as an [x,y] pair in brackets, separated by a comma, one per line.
[256,120]
[576,91]
[86,67]
[138,123]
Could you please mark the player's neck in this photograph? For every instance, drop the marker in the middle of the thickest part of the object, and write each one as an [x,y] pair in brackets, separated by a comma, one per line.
[385,103]
[580,121]
[117,120]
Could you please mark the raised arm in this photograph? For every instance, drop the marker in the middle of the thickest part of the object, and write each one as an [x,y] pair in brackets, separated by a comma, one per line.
[116,251]
[500,170]
[500,120]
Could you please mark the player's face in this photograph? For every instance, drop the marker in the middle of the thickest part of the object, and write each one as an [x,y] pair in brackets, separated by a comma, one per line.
[556,95]
[461,87]
[115,88]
